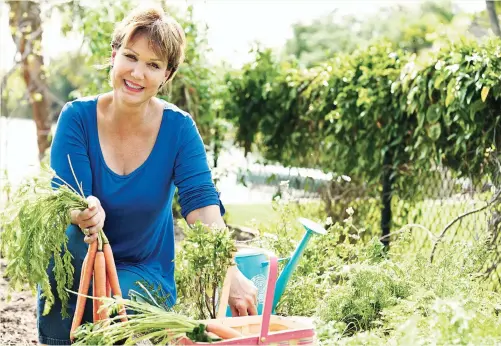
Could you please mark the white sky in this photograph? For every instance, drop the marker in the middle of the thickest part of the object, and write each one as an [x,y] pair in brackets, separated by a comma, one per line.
[233,24]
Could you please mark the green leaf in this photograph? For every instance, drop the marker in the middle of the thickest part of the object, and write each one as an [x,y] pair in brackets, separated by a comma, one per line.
[434,132]
[450,92]
[449,98]
[475,107]
[447,119]
[438,81]
[433,114]
[470,97]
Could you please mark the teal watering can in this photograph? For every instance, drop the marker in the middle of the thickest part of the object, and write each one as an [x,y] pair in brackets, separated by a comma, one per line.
[253,263]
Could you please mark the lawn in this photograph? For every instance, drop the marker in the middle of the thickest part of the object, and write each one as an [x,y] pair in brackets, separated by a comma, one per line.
[244,214]
[433,215]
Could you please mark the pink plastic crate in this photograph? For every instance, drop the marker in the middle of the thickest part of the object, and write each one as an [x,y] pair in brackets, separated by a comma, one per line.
[266,329]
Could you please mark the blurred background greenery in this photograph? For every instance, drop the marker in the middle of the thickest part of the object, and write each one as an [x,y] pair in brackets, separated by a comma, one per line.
[387,107]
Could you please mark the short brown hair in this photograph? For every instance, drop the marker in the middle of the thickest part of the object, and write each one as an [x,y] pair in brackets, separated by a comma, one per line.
[166,37]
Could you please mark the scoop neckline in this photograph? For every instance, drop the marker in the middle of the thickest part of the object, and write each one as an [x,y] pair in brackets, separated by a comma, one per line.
[101,155]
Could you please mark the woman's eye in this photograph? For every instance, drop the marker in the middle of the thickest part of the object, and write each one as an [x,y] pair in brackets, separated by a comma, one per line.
[133,58]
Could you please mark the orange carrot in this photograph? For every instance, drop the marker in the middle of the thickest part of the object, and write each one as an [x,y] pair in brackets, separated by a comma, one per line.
[108,287]
[100,281]
[112,275]
[111,270]
[224,332]
[83,287]
[95,302]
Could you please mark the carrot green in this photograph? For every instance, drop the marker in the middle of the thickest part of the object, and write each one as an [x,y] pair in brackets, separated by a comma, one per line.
[34,224]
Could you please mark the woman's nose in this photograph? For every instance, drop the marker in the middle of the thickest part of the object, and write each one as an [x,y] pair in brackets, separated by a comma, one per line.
[137,72]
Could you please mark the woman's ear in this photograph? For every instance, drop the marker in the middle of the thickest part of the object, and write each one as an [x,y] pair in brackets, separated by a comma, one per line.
[113,54]
[167,75]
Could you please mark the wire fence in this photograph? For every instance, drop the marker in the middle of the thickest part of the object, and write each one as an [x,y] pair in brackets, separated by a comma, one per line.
[439,197]
[441,208]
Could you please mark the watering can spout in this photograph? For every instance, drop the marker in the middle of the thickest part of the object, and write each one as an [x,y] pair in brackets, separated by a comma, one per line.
[311,228]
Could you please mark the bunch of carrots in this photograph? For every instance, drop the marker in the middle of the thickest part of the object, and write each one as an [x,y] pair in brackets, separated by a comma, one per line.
[98,265]
[149,321]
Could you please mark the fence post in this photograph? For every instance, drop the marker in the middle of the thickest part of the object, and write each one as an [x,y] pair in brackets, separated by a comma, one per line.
[386,198]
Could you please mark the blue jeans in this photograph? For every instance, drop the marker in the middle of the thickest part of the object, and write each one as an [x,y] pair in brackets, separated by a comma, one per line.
[53,329]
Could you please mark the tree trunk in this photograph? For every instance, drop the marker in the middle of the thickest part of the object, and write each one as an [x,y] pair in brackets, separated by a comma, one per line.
[217,140]
[26,30]
[386,198]
[493,17]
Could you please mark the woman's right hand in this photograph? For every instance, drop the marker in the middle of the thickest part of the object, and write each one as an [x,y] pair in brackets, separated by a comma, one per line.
[90,220]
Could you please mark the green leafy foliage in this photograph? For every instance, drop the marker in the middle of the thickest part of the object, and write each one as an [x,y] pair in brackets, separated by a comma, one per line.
[343,109]
[373,296]
[459,89]
[377,115]
[411,26]
[365,291]
[315,42]
[249,92]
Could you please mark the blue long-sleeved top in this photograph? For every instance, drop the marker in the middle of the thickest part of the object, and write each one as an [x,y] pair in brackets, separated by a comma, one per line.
[138,206]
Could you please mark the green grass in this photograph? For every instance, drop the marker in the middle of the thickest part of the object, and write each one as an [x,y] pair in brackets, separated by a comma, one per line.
[434,215]
[247,214]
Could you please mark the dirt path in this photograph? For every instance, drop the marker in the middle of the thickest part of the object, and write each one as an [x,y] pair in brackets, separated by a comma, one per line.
[18,324]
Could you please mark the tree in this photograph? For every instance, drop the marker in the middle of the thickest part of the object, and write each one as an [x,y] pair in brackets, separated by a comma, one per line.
[26,29]
[315,42]
[493,17]
[410,27]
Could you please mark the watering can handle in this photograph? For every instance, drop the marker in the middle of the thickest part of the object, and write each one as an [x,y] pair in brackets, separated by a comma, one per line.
[268,301]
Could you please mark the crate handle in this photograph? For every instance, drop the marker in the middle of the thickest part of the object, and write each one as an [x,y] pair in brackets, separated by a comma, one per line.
[225,293]
[268,302]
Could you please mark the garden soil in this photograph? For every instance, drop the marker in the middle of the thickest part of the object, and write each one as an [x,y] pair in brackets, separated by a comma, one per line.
[18,319]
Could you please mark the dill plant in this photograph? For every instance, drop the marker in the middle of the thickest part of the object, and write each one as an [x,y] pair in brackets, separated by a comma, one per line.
[405,299]
[202,260]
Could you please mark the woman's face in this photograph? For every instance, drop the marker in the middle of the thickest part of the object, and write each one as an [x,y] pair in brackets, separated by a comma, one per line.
[137,71]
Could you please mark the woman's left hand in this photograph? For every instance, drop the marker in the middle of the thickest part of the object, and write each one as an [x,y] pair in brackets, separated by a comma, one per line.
[243,296]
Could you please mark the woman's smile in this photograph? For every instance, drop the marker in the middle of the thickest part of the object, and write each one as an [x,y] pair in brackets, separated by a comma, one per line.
[131,86]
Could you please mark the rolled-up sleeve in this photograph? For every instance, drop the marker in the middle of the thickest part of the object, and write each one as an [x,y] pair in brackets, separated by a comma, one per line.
[192,175]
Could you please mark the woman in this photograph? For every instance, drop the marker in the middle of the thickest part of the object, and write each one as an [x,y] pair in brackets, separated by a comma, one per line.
[130,150]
